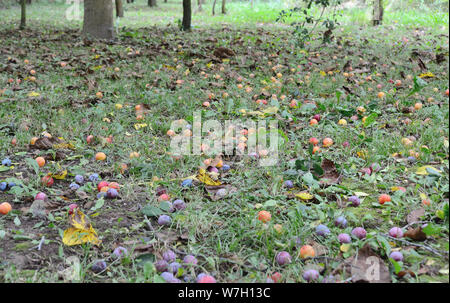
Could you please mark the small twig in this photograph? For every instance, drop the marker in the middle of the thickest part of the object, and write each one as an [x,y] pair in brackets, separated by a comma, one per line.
[412,223]
[40,243]
[149,224]
[437,252]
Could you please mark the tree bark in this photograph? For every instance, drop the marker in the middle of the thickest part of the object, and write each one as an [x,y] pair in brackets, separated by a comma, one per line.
[214,5]
[23,14]
[151,3]
[199,3]
[224,10]
[99,19]
[377,12]
[119,8]
[187,15]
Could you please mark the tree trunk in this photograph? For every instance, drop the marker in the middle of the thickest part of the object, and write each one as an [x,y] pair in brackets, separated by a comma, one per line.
[119,8]
[214,5]
[224,10]
[199,3]
[23,14]
[99,19]
[377,12]
[151,3]
[187,15]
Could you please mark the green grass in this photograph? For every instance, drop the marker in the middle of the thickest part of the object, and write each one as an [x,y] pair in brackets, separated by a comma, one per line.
[239,13]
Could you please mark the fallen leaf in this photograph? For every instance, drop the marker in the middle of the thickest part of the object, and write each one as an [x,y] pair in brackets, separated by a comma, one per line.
[416,234]
[206,179]
[81,230]
[414,215]
[304,196]
[330,175]
[427,169]
[369,267]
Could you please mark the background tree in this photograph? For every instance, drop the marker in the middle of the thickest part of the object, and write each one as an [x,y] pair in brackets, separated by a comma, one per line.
[99,19]
[187,15]
[377,12]
[119,8]
[23,14]
[151,3]
[224,10]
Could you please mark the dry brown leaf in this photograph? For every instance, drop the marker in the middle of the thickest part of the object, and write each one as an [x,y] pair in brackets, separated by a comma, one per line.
[330,175]
[415,215]
[416,234]
[368,267]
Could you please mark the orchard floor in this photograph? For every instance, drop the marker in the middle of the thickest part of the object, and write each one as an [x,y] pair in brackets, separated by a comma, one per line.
[171,74]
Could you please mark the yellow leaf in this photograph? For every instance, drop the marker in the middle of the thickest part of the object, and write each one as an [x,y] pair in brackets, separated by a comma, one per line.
[322,73]
[63,146]
[33,94]
[423,196]
[78,220]
[304,196]
[74,236]
[204,178]
[60,175]
[345,247]
[360,194]
[426,75]
[423,170]
[169,67]
[141,125]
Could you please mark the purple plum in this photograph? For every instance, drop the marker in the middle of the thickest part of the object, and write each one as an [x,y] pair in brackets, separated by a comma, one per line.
[396,255]
[359,232]
[98,266]
[340,222]
[322,230]
[169,256]
[354,200]
[344,238]
[112,193]
[161,265]
[79,179]
[311,275]
[173,267]
[396,232]
[283,258]
[190,259]
[288,184]
[164,220]
[120,252]
[179,204]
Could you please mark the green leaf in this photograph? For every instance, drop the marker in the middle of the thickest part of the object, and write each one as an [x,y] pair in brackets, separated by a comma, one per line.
[17,221]
[152,211]
[370,119]
[145,258]
[33,164]
[270,203]
[164,205]
[397,267]
[318,169]
[99,204]
[431,229]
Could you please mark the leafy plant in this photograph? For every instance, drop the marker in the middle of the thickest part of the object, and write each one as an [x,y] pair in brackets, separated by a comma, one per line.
[305,15]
